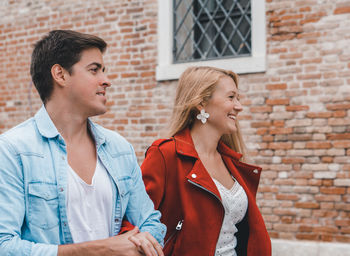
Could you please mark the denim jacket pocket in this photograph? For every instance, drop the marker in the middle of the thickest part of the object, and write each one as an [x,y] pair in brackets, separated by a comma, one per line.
[43,205]
[125,184]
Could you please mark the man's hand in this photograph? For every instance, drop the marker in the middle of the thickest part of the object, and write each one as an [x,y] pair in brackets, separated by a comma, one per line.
[147,244]
[120,245]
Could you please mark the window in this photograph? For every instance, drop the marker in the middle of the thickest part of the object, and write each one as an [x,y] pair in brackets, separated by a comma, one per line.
[205,30]
[228,34]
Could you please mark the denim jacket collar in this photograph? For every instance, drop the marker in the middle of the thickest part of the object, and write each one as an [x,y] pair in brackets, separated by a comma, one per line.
[48,129]
[100,139]
[44,123]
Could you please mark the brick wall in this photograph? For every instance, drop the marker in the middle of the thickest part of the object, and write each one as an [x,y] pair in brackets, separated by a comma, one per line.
[296,116]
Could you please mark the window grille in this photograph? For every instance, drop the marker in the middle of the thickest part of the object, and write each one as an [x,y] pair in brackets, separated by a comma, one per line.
[211,29]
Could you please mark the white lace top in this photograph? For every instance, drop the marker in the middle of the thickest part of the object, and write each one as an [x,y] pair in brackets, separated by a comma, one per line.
[235,203]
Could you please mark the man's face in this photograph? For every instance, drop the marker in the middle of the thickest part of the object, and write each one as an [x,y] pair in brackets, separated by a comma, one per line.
[87,83]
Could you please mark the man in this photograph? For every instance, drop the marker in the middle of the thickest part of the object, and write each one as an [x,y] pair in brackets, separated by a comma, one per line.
[66,183]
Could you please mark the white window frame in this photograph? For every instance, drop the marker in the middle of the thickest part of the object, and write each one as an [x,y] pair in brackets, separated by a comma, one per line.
[167,70]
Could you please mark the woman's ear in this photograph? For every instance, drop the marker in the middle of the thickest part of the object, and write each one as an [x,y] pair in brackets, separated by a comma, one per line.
[58,74]
[200,106]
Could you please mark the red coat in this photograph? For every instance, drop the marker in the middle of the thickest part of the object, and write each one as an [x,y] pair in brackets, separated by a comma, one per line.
[183,191]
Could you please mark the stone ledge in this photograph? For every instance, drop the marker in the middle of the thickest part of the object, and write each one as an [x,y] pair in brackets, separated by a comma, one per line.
[300,248]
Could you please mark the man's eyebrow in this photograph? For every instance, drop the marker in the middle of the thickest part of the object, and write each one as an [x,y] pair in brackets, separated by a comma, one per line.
[98,65]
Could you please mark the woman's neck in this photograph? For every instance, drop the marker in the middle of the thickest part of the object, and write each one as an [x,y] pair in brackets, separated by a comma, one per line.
[205,139]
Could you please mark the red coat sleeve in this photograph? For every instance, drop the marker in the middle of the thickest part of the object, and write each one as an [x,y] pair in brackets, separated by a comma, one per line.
[126,226]
[154,174]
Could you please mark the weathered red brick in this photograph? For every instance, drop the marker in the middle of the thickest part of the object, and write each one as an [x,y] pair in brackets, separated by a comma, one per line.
[283,37]
[327,198]
[281,130]
[297,108]
[325,229]
[311,61]
[278,50]
[341,144]
[309,76]
[339,113]
[303,236]
[262,131]
[338,106]
[342,223]
[338,136]
[292,17]
[318,145]
[280,145]
[276,86]
[327,159]
[342,10]
[305,228]
[261,124]
[307,205]
[295,160]
[291,56]
[342,238]
[338,121]
[305,9]
[261,109]
[309,20]
[277,101]
[332,190]
[292,197]
[128,75]
[278,123]
[125,23]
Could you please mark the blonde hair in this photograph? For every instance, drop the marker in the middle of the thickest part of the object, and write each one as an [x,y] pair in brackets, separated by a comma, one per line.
[196,85]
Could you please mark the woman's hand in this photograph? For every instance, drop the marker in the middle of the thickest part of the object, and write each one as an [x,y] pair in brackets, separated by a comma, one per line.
[147,244]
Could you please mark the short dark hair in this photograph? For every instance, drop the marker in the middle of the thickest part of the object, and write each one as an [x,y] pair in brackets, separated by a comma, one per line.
[63,47]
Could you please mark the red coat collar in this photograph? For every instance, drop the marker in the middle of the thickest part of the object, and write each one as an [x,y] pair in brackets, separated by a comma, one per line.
[184,146]
[247,175]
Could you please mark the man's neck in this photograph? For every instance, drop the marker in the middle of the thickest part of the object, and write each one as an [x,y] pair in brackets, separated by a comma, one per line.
[72,126]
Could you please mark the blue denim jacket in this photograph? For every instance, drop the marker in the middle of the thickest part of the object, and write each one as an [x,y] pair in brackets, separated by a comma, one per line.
[33,184]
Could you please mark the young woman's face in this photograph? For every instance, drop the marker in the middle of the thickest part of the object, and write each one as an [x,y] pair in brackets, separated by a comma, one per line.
[224,106]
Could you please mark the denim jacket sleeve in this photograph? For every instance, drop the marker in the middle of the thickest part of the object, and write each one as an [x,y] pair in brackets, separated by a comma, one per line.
[12,207]
[140,210]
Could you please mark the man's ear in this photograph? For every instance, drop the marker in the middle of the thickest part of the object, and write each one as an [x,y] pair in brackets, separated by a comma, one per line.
[59,74]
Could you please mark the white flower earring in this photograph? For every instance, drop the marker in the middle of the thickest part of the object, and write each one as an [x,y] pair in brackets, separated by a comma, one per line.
[203,116]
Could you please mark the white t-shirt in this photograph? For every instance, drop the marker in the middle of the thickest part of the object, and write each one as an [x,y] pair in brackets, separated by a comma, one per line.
[89,207]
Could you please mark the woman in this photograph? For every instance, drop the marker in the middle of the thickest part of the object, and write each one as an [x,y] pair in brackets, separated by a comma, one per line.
[195,178]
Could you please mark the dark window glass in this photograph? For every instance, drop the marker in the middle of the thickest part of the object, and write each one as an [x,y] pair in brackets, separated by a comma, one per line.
[211,29]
